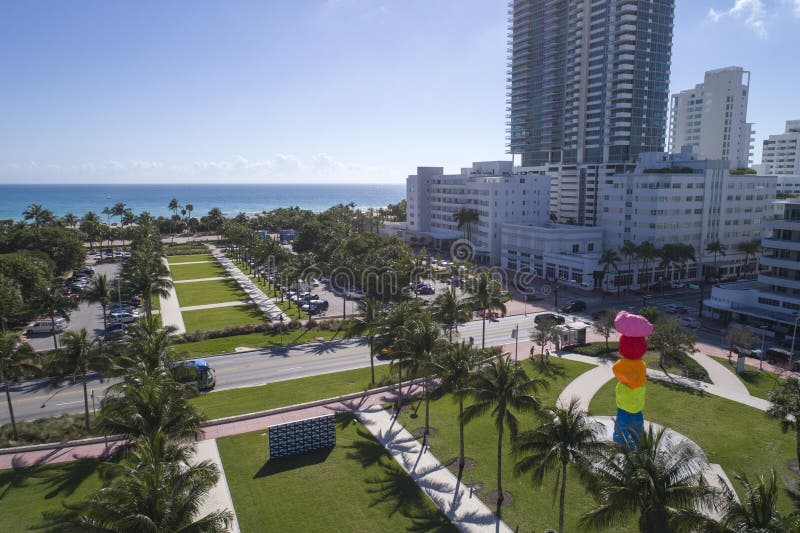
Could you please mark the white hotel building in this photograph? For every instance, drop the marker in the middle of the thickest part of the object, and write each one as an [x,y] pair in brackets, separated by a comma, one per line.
[667,199]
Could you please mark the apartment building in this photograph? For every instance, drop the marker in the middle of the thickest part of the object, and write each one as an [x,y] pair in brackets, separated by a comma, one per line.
[774,298]
[588,80]
[491,189]
[711,118]
[781,153]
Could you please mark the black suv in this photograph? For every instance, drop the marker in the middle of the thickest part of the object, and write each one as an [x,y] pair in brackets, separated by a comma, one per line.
[574,306]
[549,317]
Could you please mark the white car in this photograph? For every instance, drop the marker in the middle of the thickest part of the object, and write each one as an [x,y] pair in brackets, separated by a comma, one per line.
[673,308]
[689,322]
[124,316]
[46,325]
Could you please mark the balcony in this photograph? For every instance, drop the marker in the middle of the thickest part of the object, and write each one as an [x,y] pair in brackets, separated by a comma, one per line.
[780,263]
[793,225]
[768,278]
[781,245]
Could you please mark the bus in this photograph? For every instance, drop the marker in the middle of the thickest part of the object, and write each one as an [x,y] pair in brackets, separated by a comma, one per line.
[781,356]
[196,371]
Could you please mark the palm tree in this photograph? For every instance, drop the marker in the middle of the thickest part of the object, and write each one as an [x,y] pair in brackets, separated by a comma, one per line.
[189,209]
[421,342]
[146,274]
[78,356]
[149,404]
[500,389]
[51,302]
[758,510]
[661,479]
[15,364]
[173,206]
[716,247]
[100,292]
[785,405]
[629,250]
[455,368]
[389,332]
[367,322]
[149,346]
[486,296]
[565,437]
[450,311]
[155,489]
[647,252]
[39,215]
[749,249]
[465,218]
[609,259]
[70,220]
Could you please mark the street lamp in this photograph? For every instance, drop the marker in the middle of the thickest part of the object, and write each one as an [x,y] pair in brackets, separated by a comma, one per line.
[794,334]
[763,346]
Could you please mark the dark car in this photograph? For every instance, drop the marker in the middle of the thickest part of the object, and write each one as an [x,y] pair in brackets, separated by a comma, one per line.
[574,307]
[426,290]
[115,331]
[549,317]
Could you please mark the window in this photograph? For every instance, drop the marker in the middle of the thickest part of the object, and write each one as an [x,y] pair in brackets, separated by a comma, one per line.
[575,248]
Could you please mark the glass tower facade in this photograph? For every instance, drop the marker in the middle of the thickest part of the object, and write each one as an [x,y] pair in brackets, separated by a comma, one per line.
[588,79]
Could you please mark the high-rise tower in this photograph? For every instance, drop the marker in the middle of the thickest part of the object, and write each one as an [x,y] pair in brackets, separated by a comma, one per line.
[588,79]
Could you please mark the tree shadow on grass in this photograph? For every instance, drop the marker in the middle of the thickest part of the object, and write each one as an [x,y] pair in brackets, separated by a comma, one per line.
[678,387]
[64,479]
[548,369]
[285,464]
[366,450]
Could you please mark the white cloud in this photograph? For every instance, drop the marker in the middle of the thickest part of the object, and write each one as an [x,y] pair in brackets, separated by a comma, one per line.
[279,166]
[753,12]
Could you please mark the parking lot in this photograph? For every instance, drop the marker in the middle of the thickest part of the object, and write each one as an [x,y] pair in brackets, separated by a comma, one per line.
[89,316]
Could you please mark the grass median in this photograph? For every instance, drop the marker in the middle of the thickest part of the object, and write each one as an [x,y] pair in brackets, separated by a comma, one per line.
[27,492]
[198,271]
[738,437]
[270,339]
[532,508]
[189,258]
[354,486]
[282,393]
[222,317]
[209,292]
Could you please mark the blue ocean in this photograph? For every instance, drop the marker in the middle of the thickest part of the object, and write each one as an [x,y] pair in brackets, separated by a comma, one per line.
[230,198]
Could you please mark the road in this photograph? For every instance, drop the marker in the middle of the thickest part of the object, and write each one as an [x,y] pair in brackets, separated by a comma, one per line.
[33,400]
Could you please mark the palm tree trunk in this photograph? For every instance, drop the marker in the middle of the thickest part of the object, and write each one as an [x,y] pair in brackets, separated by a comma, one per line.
[797,429]
[147,303]
[460,435]
[562,497]
[85,403]
[427,414]
[11,411]
[371,361]
[105,324]
[499,470]
[483,332]
[53,326]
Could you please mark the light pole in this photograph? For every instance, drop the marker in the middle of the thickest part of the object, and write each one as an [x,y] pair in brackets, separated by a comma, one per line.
[763,346]
[794,334]
[516,343]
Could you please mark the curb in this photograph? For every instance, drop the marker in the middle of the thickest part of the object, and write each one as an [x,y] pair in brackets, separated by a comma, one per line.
[209,423]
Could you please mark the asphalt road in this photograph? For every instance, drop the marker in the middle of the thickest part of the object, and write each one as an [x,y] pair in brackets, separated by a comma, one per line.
[34,400]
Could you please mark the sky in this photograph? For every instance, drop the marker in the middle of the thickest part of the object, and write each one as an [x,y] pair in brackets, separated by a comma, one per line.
[315,90]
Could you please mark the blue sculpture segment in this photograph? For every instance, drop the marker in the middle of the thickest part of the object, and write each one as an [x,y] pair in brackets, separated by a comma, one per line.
[303,436]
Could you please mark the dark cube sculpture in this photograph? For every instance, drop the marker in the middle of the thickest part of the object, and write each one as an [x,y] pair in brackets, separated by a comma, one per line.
[303,436]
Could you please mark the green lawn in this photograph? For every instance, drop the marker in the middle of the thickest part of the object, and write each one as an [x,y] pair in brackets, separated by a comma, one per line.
[282,393]
[532,508]
[758,382]
[252,340]
[189,258]
[155,303]
[209,292]
[355,486]
[198,271]
[738,437]
[26,492]
[222,317]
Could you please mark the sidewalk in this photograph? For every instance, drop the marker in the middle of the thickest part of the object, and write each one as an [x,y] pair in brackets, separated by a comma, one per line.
[193,262]
[214,306]
[467,512]
[170,309]
[219,498]
[266,304]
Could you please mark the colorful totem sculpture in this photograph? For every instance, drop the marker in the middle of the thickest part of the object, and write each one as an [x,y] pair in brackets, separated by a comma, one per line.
[631,372]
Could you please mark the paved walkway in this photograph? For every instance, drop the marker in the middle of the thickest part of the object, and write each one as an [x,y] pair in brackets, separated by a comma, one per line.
[170,309]
[219,498]
[721,376]
[195,280]
[264,302]
[214,306]
[467,512]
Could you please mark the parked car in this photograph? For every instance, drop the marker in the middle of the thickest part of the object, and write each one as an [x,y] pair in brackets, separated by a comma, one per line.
[574,306]
[551,317]
[689,322]
[778,355]
[115,330]
[673,308]
[426,289]
[46,325]
[677,285]
[124,316]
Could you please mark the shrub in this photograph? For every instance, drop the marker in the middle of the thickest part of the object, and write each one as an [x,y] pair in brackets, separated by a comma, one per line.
[52,429]
[596,349]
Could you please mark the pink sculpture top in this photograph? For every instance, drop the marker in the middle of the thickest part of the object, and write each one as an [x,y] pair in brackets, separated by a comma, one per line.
[632,325]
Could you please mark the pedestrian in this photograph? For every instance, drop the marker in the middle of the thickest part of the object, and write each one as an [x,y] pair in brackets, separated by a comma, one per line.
[547,353]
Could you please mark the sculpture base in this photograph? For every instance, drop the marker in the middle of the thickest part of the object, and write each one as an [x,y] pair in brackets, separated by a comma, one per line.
[629,428]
